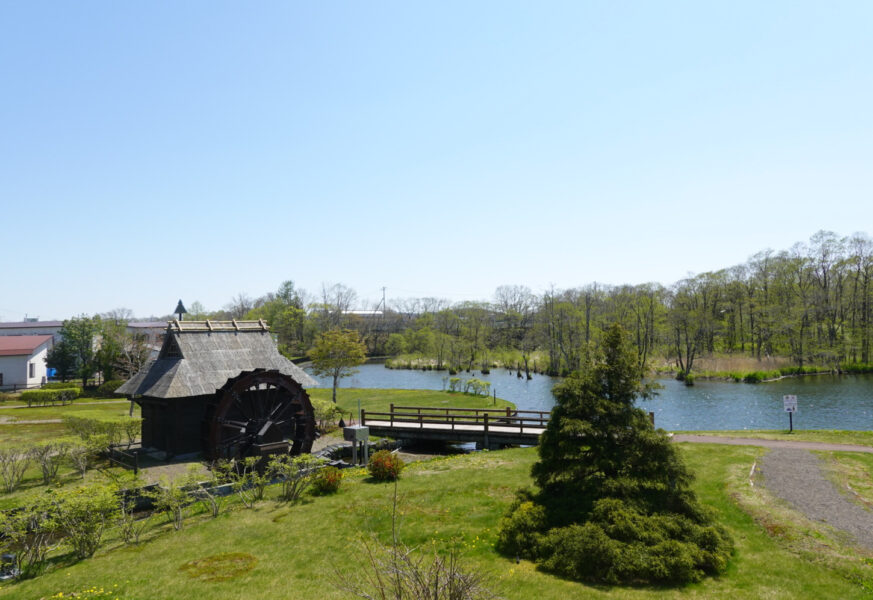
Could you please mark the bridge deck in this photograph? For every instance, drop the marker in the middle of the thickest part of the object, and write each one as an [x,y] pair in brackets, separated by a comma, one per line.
[487,427]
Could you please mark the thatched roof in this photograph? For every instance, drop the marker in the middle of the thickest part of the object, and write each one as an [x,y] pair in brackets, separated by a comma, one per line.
[198,357]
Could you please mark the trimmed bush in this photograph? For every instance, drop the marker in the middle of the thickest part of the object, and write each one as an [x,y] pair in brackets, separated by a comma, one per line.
[385,466]
[107,388]
[62,385]
[50,397]
[327,481]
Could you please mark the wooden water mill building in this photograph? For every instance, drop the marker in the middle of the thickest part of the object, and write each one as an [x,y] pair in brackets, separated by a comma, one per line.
[223,389]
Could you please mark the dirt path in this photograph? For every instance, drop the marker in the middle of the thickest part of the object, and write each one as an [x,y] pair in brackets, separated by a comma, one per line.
[795,475]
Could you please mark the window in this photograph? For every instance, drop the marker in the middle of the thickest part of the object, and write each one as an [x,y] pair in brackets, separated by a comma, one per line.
[31,370]
[1,379]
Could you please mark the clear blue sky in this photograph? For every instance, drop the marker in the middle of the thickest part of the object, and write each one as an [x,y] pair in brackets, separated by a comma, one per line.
[157,151]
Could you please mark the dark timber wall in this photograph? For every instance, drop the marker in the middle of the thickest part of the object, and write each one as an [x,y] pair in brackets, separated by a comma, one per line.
[173,425]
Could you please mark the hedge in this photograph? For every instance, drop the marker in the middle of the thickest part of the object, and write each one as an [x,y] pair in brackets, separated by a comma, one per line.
[50,397]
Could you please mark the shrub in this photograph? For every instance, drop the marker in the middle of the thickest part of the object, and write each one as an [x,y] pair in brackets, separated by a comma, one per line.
[62,385]
[385,466]
[13,464]
[689,379]
[4,397]
[50,397]
[327,481]
[107,388]
[327,414]
[521,528]
[296,473]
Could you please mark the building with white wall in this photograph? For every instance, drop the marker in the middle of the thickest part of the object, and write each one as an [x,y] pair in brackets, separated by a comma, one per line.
[22,360]
[52,328]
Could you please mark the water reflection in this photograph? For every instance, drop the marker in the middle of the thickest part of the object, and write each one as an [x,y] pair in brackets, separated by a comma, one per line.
[824,402]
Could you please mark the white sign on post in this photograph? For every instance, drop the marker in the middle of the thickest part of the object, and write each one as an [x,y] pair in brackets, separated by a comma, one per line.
[790,403]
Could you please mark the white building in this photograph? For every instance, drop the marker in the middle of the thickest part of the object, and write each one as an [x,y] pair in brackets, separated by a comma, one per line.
[22,360]
[52,328]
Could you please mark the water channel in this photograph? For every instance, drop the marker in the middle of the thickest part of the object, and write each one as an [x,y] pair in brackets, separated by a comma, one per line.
[824,401]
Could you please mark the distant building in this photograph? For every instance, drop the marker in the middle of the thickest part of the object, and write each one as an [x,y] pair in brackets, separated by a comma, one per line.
[29,327]
[22,360]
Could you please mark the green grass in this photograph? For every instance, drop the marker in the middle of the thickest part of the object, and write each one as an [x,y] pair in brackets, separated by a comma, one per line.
[381,400]
[32,484]
[829,436]
[45,413]
[17,404]
[29,433]
[456,500]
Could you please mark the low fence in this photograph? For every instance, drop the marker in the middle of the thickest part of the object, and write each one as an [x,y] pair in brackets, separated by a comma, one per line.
[458,417]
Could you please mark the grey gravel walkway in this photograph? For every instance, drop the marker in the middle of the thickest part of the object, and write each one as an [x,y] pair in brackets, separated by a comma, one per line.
[795,475]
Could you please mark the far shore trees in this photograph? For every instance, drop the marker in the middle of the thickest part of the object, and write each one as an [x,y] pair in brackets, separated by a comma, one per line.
[336,354]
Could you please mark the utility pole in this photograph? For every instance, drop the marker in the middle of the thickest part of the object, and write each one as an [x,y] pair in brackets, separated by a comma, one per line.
[383,300]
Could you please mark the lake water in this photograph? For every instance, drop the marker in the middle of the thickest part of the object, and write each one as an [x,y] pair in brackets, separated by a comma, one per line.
[824,401]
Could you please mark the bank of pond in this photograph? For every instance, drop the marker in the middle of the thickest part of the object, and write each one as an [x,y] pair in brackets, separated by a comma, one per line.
[828,401]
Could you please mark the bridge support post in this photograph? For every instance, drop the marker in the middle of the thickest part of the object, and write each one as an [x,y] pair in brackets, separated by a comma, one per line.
[486,430]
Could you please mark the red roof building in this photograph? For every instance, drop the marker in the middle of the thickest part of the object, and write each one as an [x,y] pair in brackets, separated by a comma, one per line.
[22,360]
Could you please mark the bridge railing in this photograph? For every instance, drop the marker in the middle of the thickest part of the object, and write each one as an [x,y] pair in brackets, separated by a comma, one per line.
[425,416]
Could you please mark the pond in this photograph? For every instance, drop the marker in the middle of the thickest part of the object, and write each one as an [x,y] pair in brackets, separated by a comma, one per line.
[824,401]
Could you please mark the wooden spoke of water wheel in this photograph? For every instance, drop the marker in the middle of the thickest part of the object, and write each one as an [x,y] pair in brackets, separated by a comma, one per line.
[259,413]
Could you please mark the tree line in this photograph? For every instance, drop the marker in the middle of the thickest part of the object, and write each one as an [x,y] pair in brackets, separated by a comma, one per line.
[811,303]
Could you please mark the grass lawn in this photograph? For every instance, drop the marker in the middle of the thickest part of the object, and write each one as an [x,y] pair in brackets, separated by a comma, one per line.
[830,436]
[28,433]
[44,413]
[456,500]
[381,400]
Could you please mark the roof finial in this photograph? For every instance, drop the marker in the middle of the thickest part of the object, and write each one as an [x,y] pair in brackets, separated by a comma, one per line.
[180,308]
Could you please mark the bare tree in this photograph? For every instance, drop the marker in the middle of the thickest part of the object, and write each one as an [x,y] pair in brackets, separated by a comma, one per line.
[239,305]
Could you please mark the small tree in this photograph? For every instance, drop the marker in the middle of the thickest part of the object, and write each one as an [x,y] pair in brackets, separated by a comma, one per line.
[614,503]
[204,491]
[83,515]
[336,354]
[49,456]
[13,464]
[171,498]
[77,335]
[248,478]
[295,472]
[29,535]
[80,457]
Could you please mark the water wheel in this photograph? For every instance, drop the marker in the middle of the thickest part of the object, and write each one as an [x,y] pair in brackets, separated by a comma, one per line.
[259,413]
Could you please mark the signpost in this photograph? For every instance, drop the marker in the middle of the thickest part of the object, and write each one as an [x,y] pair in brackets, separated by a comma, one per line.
[789,402]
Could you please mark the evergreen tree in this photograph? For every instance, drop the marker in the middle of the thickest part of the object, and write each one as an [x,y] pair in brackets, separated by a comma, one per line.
[614,503]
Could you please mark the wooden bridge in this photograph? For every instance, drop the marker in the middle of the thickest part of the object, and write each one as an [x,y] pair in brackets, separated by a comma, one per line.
[489,428]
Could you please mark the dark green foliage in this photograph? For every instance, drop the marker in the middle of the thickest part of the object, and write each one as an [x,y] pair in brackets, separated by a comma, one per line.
[856,369]
[614,503]
[61,385]
[107,388]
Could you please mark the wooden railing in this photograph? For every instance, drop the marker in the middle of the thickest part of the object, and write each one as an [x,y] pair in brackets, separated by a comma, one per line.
[424,416]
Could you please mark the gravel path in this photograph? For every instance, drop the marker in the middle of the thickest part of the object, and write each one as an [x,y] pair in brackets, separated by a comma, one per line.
[795,475]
